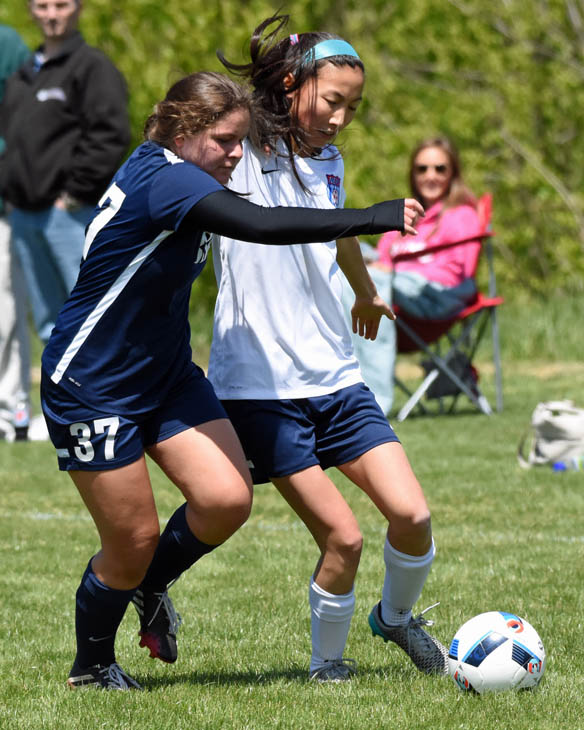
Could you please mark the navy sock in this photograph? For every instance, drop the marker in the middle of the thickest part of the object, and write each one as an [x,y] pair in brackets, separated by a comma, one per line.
[99,610]
[177,550]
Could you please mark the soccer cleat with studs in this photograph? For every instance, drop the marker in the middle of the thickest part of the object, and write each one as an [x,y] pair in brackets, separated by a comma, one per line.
[110,677]
[426,652]
[159,623]
[335,670]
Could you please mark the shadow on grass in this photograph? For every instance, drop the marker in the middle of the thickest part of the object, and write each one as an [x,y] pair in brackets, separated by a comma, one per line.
[242,678]
[275,676]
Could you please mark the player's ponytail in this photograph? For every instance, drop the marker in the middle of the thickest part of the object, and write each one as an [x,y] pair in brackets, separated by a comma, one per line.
[274,60]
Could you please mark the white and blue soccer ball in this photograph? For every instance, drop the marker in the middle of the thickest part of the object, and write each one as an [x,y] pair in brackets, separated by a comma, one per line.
[496,651]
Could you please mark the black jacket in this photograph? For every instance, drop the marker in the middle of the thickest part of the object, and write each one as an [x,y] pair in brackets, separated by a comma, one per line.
[66,127]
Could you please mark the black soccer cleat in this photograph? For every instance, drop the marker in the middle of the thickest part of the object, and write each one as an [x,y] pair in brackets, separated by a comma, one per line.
[110,677]
[159,623]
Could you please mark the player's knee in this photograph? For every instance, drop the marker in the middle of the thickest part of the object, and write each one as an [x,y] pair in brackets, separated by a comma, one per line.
[416,520]
[412,531]
[126,563]
[347,546]
[234,508]
[237,512]
[145,544]
[421,521]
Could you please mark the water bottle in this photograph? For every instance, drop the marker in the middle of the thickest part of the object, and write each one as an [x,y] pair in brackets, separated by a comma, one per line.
[576,463]
[21,418]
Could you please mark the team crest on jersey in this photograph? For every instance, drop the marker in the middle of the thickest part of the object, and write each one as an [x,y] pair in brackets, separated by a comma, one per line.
[333,183]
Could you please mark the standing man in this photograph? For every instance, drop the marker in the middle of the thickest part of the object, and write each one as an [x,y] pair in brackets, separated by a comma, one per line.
[14,346]
[65,122]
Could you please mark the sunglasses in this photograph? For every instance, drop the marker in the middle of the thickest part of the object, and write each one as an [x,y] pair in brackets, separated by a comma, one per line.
[422,169]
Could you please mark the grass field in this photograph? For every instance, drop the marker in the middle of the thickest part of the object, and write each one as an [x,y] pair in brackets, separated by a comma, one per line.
[506,539]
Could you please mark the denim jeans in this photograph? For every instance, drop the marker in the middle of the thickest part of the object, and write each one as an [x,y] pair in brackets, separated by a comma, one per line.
[428,299]
[49,245]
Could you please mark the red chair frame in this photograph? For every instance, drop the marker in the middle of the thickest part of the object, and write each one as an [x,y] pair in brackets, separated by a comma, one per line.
[463,332]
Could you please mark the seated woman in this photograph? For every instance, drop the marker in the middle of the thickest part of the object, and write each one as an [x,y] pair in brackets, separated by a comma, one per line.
[440,283]
[436,285]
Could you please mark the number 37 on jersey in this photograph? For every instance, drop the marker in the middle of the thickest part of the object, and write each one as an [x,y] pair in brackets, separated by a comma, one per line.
[87,437]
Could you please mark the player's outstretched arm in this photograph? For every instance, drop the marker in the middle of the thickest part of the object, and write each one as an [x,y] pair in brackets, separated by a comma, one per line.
[227,214]
[369,307]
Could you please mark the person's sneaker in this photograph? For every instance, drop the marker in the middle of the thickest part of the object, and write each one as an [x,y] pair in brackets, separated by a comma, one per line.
[159,623]
[336,670]
[111,677]
[427,653]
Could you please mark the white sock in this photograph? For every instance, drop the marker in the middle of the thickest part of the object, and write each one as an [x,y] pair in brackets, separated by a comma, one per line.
[405,576]
[330,619]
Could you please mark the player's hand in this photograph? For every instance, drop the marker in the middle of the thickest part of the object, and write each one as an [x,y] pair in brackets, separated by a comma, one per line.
[366,314]
[413,210]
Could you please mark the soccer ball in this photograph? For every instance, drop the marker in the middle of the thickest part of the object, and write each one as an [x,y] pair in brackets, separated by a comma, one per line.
[495,651]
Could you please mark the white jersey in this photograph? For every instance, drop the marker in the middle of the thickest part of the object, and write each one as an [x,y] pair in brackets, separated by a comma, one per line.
[280,329]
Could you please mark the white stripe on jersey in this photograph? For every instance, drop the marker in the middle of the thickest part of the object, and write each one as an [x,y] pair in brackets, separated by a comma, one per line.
[105,303]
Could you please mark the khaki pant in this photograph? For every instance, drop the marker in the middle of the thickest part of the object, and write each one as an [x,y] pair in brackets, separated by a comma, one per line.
[376,357]
[14,337]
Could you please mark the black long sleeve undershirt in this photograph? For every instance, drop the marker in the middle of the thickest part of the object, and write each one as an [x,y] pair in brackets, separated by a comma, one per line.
[227,214]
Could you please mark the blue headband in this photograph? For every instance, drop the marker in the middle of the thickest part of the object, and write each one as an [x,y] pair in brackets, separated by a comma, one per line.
[328,49]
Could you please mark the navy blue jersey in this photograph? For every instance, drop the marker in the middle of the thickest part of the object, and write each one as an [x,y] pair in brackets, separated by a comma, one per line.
[122,338]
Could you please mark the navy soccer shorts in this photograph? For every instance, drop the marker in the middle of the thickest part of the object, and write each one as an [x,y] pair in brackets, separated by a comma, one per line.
[92,440]
[282,437]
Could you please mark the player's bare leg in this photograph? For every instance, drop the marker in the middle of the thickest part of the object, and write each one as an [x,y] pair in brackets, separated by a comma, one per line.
[208,466]
[322,508]
[122,506]
[385,475]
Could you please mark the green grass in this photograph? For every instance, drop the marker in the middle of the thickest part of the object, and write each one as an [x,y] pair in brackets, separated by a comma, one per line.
[506,538]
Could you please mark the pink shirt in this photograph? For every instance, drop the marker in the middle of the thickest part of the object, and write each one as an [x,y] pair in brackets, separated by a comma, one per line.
[449,266]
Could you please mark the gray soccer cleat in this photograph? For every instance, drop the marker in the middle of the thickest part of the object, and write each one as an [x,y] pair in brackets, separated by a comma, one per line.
[335,670]
[427,653]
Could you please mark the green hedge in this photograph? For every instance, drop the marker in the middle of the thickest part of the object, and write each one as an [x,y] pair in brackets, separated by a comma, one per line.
[504,79]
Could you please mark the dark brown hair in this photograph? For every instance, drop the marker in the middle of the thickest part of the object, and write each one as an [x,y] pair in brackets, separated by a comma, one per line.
[272,60]
[458,193]
[194,103]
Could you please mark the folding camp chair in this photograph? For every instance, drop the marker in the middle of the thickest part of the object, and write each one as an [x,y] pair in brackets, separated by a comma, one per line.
[452,373]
